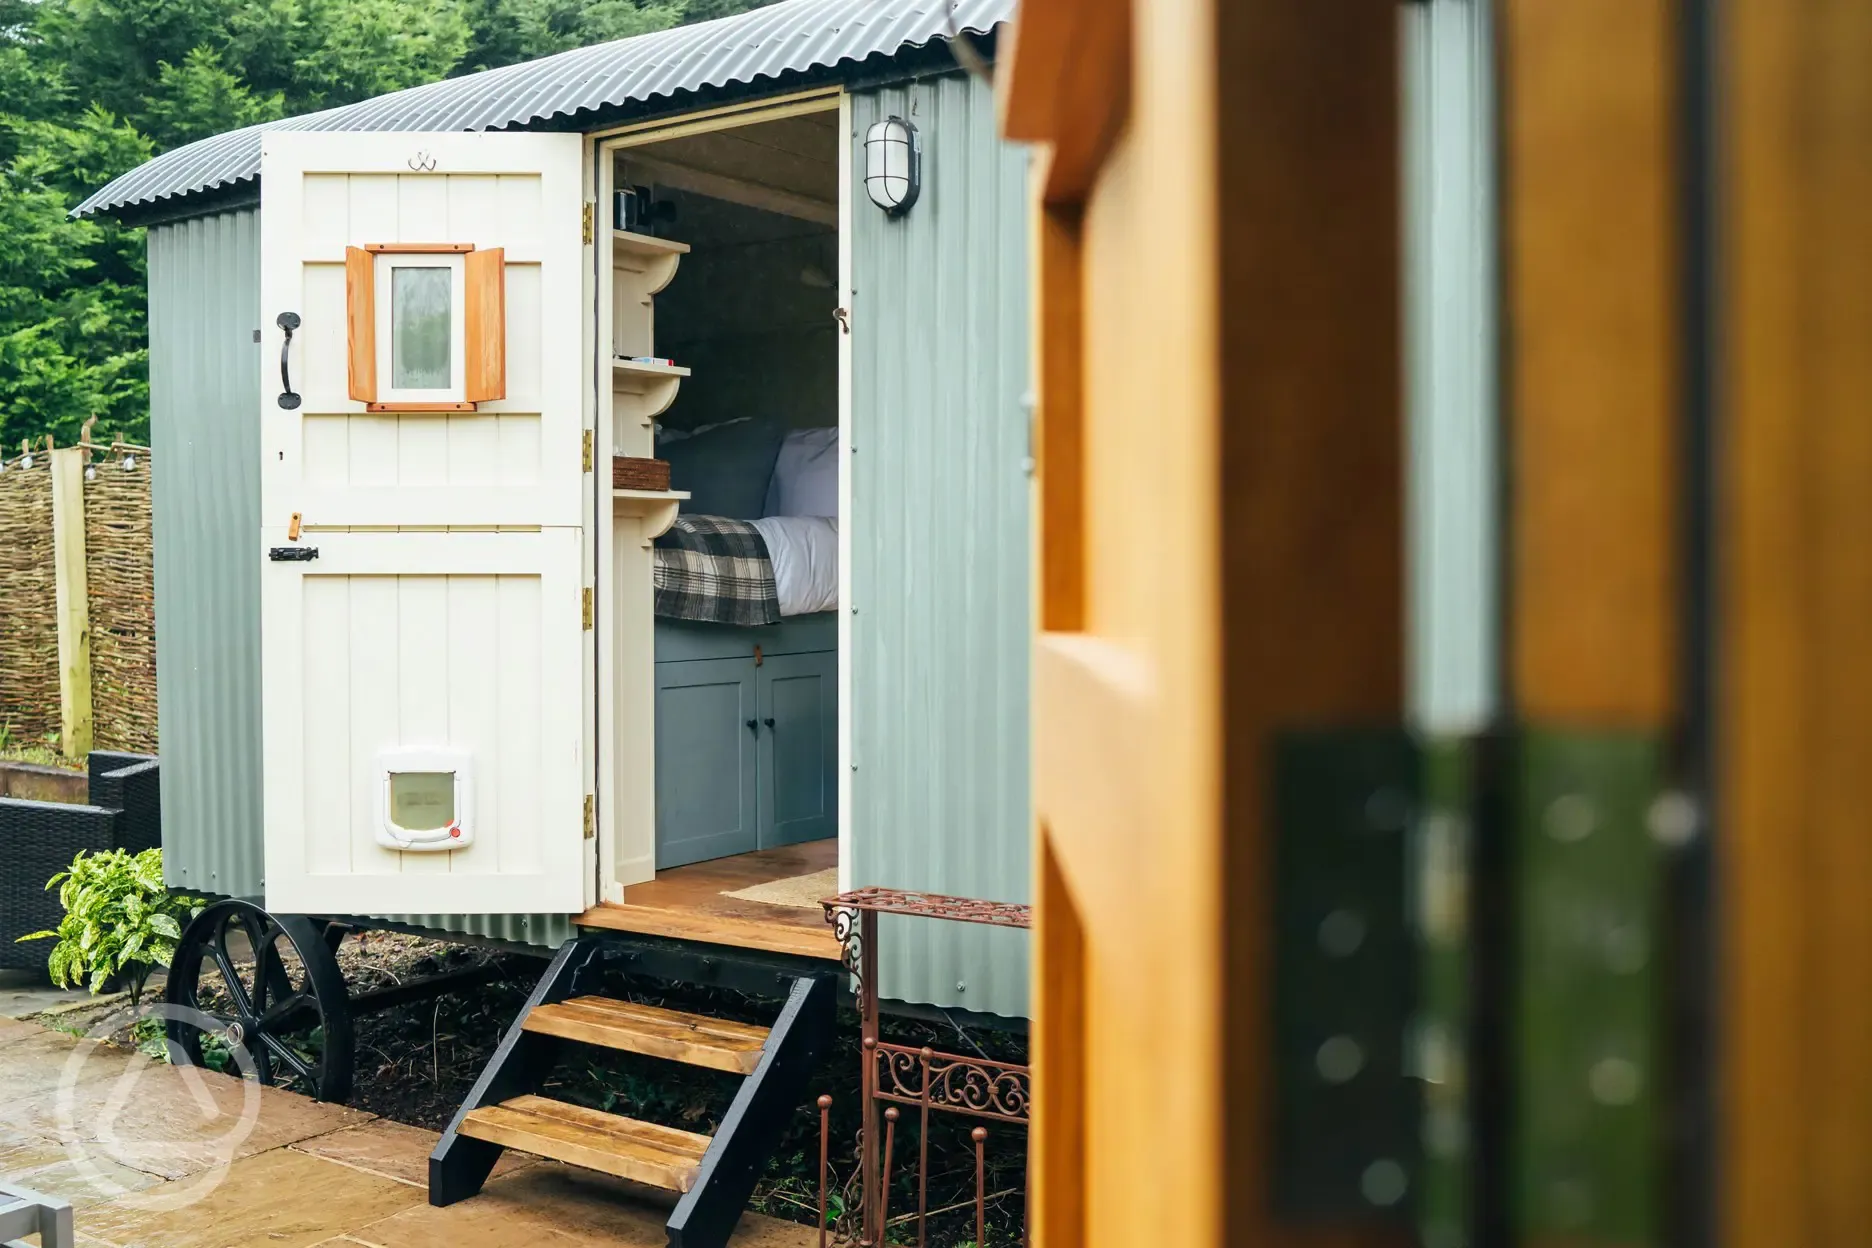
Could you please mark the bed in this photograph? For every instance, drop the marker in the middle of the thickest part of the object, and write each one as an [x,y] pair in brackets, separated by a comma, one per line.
[758,539]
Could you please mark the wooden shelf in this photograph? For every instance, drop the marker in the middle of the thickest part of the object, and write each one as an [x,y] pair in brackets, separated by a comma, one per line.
[640,368]
[655,386]
[656,509]
[625,243]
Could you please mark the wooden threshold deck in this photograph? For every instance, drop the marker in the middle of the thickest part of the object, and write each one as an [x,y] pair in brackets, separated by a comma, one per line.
[690,903]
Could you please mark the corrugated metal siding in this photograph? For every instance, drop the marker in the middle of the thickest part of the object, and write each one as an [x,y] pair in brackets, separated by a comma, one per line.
[770,43]
[1450,332]
[205,404]
[941,551]
[204,294]
[519,929]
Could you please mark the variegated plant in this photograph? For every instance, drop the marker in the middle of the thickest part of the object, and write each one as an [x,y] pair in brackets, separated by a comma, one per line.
[119,920]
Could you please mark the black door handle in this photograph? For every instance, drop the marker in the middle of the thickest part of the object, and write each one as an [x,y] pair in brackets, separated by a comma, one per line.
[753,726]
[287,321]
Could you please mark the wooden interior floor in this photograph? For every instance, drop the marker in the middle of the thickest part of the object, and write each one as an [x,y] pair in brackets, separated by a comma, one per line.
[690,903]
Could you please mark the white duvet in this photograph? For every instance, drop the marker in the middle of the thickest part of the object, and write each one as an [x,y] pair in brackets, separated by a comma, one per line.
[804,550]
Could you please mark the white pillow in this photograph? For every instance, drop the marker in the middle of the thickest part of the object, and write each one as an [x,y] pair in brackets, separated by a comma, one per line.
[804,553]
[805,477]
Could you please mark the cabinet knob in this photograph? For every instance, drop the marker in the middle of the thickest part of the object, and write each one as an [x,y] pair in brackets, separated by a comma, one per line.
[753,726]
[769,724]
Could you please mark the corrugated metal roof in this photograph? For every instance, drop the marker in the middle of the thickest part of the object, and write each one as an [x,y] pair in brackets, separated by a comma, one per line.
[791,37]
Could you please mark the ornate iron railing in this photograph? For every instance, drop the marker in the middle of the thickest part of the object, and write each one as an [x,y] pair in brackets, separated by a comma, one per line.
[925,1079]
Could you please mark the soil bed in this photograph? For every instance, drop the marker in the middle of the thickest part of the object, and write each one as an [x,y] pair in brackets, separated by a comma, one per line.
[416,1062]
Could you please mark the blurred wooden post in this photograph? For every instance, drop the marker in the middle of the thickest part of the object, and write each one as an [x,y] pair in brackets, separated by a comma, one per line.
[1794,676]
[1216,303]
[1591,232]
[74,616]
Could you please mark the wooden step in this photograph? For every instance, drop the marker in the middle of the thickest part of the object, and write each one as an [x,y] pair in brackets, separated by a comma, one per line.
[647,1029]
[641,1151]
[812,939]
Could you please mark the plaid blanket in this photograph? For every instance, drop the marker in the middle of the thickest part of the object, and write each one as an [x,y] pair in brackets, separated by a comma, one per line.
[717,570]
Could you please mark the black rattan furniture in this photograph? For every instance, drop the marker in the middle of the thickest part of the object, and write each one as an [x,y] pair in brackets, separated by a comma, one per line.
[39,839]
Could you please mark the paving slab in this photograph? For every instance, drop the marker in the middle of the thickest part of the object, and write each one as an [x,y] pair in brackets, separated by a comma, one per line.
[12,1029]
[393,1150]
[278,1199]
[86,1180]
[29,992]
[34,1067]
[174,1122]
[556,1206]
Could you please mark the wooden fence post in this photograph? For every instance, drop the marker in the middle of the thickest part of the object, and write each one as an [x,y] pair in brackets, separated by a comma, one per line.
[74,613]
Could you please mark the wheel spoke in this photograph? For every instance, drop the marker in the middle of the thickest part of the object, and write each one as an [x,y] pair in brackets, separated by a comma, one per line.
[280,1016]
[274,980]
[285,1053]
[261,936]
[237,991]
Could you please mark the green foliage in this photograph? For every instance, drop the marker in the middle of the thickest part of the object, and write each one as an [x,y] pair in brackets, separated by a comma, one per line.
[198,98]
[119,920]
[72,320]
[92,88]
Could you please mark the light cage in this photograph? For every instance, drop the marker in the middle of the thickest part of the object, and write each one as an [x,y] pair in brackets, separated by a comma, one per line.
[893,160]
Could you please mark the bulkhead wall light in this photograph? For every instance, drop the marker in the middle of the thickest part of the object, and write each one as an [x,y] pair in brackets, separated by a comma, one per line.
[893,172]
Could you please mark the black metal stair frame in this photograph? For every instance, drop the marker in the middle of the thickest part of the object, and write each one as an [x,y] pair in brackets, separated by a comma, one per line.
[460,1165]
[706,1214]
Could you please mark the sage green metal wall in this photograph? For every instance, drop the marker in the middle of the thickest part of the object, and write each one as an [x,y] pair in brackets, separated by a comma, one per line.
[204,293]
[941,544]
[205,403]
[1451,325]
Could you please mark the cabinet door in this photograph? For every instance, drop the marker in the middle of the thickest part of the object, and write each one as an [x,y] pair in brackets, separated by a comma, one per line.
[705,760]
[798,748]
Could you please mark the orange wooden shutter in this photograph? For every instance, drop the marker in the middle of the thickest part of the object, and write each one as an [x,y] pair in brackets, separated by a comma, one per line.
[361,324]
[485,314]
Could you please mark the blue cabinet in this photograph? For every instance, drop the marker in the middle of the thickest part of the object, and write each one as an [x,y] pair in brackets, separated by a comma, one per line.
[798,697]
[707,760]
[747,751]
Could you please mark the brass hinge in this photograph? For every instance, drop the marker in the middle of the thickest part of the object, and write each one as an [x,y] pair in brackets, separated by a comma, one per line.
[585,607]
[589,213]
[586,455]
[590,828]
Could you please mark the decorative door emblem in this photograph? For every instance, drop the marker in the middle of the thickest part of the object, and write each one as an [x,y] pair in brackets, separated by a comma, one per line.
[423,162]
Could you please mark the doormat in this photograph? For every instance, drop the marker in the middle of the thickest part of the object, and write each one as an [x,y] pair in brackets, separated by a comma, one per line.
[798,892]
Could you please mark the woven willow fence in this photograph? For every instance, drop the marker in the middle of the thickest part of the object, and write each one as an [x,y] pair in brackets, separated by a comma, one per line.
[120,588]
[119,601]
[29,683]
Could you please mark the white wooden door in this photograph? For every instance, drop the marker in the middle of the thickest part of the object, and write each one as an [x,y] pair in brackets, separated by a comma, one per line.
[441,616]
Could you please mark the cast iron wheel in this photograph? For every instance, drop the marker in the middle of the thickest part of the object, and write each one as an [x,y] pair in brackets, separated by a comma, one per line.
[270,984]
